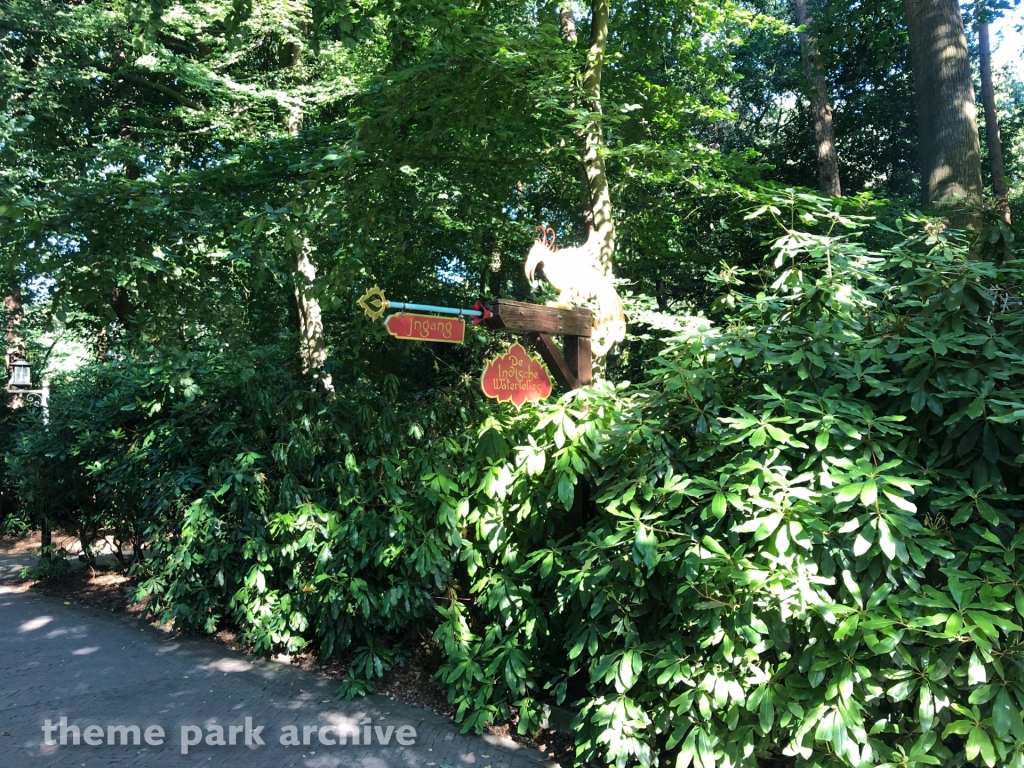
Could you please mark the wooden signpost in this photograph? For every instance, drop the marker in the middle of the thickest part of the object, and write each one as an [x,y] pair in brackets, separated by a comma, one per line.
[516,376]
[572,365]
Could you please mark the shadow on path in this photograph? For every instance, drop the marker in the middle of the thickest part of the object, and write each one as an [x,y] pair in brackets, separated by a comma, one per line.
[81,664]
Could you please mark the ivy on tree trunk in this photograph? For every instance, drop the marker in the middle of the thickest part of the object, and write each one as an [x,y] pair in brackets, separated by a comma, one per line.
[312,346]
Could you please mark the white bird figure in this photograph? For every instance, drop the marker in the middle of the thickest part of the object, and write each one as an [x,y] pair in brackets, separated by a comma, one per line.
[577,276]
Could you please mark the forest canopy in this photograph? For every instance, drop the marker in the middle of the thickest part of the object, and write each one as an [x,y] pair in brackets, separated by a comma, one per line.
[783,526]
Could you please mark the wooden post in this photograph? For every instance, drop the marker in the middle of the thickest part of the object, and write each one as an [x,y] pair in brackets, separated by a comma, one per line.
[556,362]
[46,539]
[572,365]
[579,357]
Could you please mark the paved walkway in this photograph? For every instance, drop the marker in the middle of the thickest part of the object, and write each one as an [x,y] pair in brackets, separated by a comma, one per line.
[11,565]
[93,669]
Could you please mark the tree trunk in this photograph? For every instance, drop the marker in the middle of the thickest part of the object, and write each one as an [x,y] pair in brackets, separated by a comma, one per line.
[824,131]
[567,24]
[14,313]
[312,346]
[947,120]
[995,147]
[121,303]
[600,214]
[102,345]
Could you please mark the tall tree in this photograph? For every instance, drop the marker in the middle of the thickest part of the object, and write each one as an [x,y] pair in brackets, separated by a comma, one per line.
[601,215]
[13,315]
[312,344]
[821,107]
[865,57]
[947,118]
[997,168]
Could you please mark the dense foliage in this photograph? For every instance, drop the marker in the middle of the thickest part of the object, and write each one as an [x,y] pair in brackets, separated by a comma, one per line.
[803,535]
[786,523]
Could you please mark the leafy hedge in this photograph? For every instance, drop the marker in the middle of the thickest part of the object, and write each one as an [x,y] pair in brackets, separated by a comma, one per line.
[14,518]
[805,536]
[808,527]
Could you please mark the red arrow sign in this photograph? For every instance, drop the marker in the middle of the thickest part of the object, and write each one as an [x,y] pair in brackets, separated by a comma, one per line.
[451,330]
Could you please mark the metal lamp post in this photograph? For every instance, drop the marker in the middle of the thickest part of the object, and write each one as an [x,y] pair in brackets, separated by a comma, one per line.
[21,384]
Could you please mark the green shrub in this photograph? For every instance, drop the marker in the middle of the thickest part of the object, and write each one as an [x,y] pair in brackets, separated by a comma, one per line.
[808,527]
[804,537]
[47,568]
[14,517]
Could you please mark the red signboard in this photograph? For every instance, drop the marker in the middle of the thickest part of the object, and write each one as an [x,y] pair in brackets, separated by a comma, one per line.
[516,377]
[451,330]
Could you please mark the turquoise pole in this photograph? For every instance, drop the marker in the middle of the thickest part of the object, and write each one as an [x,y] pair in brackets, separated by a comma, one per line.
[430,308]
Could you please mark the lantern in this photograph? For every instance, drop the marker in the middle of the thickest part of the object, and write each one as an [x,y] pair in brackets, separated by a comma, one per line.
[22,374]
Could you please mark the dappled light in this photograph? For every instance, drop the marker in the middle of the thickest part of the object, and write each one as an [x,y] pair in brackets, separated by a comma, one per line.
[34,624]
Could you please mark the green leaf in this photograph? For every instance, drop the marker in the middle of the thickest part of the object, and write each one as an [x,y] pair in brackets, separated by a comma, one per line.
[869,493]
[645,544]
[852,586]
[761,527]
[926,708]
[566,491]
[718,505]
[849,492]
[919,380]
[862,542]
[714,546]
[900,502]
[885,540]
[919,400]
[976,673]
[848,625]
[821,441]
[766,714]
[978,742]
[629,670]
[902,690]
[688,751]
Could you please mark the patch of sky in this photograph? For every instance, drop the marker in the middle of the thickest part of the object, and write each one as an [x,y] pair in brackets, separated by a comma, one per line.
[452,271]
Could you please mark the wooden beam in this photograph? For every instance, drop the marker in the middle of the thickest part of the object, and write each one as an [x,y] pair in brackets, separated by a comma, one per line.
[520,317]
[556,363]
[579,359]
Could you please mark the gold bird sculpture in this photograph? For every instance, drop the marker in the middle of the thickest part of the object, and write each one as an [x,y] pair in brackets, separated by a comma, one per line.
[576,274]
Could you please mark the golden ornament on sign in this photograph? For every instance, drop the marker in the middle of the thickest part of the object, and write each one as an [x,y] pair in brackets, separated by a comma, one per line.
[373,303]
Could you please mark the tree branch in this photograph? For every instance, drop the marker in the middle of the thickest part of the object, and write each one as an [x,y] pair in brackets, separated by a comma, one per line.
[164,89]
[128,77]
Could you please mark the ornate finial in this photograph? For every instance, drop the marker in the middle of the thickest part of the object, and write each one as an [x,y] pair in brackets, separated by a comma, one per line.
[373,303]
